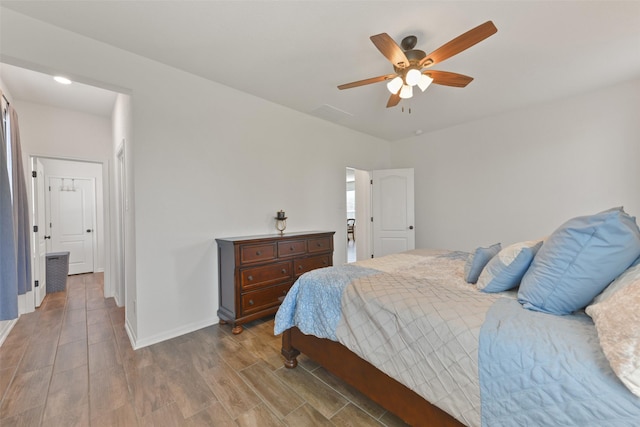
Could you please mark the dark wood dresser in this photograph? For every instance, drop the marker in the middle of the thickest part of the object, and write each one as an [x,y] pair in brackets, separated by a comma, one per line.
[256,272]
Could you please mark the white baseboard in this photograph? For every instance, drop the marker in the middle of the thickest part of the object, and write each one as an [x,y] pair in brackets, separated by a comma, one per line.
[5,327]
[167,335]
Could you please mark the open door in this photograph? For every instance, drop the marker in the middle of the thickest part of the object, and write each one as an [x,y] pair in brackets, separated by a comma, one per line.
[392,195]
[39,238]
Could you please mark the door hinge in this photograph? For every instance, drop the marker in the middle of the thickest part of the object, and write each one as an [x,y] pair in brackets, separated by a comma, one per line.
[34,174]
[371,255]
[371,181]
[36,284]
[371,219]
[49,188]
[35,228]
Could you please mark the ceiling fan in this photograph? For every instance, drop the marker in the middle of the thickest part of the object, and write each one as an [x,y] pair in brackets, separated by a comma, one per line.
[409,63]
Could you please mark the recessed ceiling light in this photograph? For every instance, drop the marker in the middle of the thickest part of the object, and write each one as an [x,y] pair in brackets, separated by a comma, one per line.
[62,80]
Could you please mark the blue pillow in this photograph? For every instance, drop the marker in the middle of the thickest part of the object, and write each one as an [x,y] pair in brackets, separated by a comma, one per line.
[506,269]
[477,260]
[579,260]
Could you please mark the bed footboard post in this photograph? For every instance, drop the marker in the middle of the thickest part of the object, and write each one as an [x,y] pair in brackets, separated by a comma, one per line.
[290,354]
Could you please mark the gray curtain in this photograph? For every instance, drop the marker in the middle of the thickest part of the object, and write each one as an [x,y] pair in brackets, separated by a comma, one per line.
[20,209]
[8,270]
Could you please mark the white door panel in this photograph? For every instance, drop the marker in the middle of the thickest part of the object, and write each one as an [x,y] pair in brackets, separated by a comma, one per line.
[40,243]
[71,221]
[393,211]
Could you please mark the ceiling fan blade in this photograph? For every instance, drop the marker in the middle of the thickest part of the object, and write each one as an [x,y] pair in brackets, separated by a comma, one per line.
[394,99]
[460,43]
[447,78]
[366,81]
[390,50]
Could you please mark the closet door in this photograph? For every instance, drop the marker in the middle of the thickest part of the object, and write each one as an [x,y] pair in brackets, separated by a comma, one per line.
[392,195]
[72,219]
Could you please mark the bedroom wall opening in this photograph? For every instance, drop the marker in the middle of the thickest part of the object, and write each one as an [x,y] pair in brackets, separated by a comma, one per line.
[358,209]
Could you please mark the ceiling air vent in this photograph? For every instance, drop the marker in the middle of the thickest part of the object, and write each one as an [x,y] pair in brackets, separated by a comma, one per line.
[332,114]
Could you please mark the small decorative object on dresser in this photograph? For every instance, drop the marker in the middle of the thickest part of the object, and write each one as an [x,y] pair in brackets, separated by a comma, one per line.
[256,272]
[281,221]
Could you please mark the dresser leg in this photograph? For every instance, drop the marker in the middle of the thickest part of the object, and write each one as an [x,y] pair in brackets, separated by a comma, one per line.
[237,329]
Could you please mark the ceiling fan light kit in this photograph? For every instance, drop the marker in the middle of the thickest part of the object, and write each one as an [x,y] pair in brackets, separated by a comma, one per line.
[409,63]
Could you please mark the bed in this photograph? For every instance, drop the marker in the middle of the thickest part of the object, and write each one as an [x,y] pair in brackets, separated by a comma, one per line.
[410,331]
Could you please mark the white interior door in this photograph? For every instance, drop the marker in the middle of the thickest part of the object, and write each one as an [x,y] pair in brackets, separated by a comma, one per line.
[392,195]
[39,238]
[71,221]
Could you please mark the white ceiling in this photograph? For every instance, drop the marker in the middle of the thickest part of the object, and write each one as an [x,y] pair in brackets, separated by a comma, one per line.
[295,53]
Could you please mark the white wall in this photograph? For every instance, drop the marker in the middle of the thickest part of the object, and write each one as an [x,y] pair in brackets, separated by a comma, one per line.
[209,161]
[520,175]
[125,291]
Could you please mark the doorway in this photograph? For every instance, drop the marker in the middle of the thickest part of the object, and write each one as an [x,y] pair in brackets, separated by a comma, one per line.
[358,194]
[74,211]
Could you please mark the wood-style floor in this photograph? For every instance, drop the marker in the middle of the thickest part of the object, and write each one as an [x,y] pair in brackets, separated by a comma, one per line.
[70,363]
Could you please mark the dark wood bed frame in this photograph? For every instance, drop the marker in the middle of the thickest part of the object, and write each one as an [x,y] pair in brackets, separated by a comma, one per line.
[365,377]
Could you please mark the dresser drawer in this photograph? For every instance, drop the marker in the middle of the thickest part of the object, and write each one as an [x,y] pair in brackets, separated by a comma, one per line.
[322,244]
[292,247]
[256,253]
[265,275]
[263,298]
[303,265]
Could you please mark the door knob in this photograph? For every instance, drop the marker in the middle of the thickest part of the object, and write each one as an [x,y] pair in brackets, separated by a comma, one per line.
[411,227]
[89,230]
[47,237]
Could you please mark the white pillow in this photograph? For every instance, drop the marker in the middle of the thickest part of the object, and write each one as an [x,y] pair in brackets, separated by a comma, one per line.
[630,275]
[617,321]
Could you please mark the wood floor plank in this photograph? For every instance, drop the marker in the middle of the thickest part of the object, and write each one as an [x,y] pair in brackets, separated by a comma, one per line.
[98,332]
[352,416]
[279,397]
[350,393]
[108,390]
[68,393]
[323,398]
[73,332]
[123,416]
[167,416]
[189,390]
[75,316]
[232,392]
[260,416]
[213,415]
[149,389]
[71,355]
[39,354]
[103,355]
[306,415]
[26,391]
[27,418]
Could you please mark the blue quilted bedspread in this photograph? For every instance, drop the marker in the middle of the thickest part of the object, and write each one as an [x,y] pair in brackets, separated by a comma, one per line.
[313,303]
[538,369]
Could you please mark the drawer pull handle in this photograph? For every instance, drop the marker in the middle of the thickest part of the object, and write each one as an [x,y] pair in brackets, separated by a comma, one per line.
[324,262]
[300,267]
[291,248]
[319,244]
[258,253]
[250,302]
[250,278]
[284,271]
[284,292]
